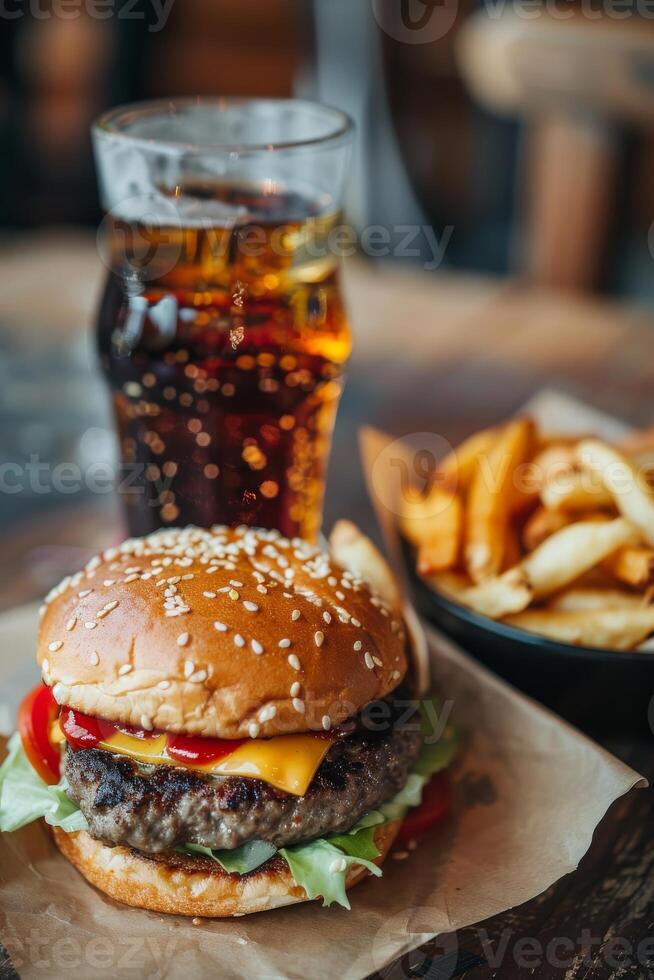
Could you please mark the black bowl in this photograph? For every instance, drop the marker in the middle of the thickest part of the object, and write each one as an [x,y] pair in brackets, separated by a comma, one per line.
[598,690]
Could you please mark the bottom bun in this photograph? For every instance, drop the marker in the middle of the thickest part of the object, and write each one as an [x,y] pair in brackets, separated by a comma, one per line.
[185,885]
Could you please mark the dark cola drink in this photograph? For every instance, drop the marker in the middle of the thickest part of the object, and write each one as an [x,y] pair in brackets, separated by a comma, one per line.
[223,337]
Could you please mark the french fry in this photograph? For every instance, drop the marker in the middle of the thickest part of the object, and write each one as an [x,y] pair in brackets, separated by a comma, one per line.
[557,457]
[452,584]
[561,559]
[490,498]
[578,599]
[627,485]
[512,549]
[421,518]
[499,596]
[457,468]
[493,598]
[631,565]
[356,552]
[573,550]
[620,629]
[442,548]
[542,524]
[574,492]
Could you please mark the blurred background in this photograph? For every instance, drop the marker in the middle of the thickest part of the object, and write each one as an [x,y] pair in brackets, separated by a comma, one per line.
[519,136]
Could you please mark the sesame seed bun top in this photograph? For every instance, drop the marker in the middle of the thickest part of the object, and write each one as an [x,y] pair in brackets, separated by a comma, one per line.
[228,633]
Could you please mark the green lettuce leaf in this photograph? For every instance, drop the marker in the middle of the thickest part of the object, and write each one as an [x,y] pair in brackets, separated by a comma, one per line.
[320,868]
[437,755]
[242,859]
[25,797]
[360,843]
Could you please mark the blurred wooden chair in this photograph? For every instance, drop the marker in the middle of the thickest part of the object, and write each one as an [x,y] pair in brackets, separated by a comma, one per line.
[576,82]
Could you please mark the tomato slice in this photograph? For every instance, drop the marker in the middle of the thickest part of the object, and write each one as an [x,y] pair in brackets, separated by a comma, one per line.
[84,731]
[436,801]
[199,750]
[35,716]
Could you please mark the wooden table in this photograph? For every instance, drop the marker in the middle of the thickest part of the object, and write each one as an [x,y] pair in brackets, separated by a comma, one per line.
[452,353]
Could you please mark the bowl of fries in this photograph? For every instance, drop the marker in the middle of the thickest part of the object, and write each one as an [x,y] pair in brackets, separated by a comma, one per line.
[536,552]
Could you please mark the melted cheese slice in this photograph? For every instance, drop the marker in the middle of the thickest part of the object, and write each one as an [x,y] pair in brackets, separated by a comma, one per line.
[288,762]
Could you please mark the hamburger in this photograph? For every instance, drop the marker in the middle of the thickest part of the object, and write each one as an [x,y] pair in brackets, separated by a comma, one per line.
[223,724]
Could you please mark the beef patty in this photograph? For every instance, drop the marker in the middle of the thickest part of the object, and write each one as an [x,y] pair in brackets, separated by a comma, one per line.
[156,808]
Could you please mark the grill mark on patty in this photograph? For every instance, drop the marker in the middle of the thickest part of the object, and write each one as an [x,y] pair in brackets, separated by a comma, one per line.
[156,808]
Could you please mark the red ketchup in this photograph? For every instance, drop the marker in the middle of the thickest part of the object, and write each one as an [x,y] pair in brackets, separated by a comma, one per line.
[199,751]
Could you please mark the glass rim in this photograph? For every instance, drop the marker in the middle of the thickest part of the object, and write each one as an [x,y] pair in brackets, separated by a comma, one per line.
[108,124]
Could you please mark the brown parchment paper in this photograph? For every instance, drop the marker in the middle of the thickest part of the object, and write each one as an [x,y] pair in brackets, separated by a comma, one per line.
[528,793]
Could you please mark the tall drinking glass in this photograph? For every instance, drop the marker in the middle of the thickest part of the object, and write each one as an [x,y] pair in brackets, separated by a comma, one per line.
[222,330]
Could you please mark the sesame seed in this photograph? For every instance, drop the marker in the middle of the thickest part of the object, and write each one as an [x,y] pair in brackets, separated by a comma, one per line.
[319,638]
[189,667]
[55,645]
[233,594]
[125,669]
[295,689]
[198,677]
[84,593]
[209,595]
[377,661]
[112,605]
[163,685]
[355,622]
[337,865]
[220,627]
[182,639]
[90,625]
[369,661]
[256,646]
[108,582]
[294,661]
[298,705]
[146,722]
[400,855]
[253,730]
[238,640]
[70,625]
[131,578]
[357,645]
[94,657]
[327,617]
[237,585]
[250,606]
[284,644]
[326,722]
[295,614]
[267,712]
